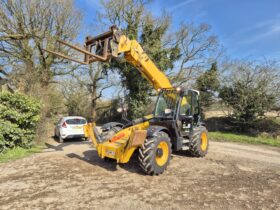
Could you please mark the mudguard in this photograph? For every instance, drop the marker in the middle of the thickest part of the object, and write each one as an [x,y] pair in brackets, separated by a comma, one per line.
[108,126]
[154,129]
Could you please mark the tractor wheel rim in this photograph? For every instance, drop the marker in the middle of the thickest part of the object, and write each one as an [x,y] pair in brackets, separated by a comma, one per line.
[204,141]
[162,157]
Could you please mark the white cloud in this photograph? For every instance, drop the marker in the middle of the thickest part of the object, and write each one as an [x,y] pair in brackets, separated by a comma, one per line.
[181,4]
[265,32]
[256,32]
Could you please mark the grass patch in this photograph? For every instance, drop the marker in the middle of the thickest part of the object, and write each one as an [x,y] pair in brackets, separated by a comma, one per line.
[17,153]
[225,136]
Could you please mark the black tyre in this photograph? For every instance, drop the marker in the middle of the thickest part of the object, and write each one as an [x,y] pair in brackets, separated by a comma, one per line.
[199,143]
[60,139]
[155,153]
[55,136]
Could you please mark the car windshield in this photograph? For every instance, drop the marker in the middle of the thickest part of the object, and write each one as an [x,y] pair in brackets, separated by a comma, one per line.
[76,121]
[166,103]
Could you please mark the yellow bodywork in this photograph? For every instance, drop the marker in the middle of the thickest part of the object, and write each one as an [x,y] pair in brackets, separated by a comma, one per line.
[122,148]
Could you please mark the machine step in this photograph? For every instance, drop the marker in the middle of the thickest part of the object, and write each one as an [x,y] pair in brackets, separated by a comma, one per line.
[184,141]
[185,148]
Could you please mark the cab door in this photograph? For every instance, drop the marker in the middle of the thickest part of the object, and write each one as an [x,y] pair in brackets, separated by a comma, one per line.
[189,112]
[195,107]
[185,115]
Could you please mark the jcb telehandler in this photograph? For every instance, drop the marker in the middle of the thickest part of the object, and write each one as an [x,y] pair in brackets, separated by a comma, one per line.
[174,125]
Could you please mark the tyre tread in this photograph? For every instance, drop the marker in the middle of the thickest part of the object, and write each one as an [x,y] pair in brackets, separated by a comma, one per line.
[146,154]
[195,149]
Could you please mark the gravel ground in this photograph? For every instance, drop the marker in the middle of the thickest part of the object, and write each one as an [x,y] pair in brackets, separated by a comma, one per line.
[72,176]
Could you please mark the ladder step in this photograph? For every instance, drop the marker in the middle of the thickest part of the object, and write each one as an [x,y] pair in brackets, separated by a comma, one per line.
[185,148]
[185,141]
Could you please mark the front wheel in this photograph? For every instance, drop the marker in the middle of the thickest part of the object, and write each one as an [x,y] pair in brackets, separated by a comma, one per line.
[155,153]
[199,143]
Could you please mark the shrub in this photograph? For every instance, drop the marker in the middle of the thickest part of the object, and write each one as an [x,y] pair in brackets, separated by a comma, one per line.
[208,83]
[250,91]
[19,115]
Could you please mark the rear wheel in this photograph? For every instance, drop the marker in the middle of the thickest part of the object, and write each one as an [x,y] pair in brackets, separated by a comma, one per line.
[55,135]
[155,153]
[60,139]
[199,143]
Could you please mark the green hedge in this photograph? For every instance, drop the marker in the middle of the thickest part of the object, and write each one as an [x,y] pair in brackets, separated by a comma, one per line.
[19,115]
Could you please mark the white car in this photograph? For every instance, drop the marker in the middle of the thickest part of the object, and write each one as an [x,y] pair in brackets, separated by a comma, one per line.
[70,127]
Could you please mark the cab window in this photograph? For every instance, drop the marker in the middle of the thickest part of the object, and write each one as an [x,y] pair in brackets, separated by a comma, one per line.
[185,108]
[195,104]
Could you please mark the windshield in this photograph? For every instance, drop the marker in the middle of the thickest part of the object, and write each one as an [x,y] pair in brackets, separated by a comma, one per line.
[76,121]
[166,103]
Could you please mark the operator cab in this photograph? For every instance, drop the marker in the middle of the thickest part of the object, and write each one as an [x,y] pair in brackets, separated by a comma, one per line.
[177,104]
[178,111]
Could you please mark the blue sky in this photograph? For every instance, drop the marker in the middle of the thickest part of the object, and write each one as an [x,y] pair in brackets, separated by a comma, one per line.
[246,28]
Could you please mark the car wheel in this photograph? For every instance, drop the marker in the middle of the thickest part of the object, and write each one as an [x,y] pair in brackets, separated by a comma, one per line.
[55,136]
[60,139]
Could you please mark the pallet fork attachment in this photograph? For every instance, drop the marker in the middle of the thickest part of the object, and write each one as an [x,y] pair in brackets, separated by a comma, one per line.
[104,46]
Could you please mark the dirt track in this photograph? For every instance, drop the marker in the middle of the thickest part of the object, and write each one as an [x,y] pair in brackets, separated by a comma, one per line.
[71,176]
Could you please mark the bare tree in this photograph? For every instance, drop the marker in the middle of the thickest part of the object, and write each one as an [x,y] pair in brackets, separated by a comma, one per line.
[14,37]
[29,26]
[76,98]
[126,14]
[90,82]
[199,49]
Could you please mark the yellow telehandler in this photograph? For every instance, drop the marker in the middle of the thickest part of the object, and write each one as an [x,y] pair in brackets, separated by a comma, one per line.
[174,125]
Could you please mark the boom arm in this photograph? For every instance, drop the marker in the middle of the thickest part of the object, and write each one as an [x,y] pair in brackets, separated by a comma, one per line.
[134,54]
[112,44]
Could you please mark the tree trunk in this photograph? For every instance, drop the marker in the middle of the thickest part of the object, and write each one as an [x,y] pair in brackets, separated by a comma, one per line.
[93,103]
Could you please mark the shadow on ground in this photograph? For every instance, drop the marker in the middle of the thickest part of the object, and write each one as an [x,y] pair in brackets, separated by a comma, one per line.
[65,144]
[91,157]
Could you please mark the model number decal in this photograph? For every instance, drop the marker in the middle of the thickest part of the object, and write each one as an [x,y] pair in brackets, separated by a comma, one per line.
[110,152]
